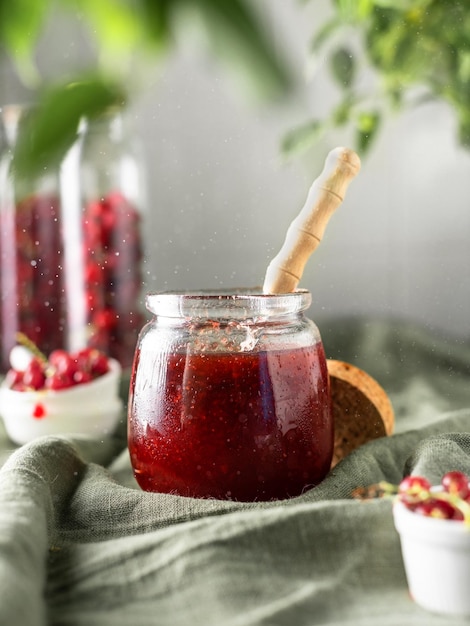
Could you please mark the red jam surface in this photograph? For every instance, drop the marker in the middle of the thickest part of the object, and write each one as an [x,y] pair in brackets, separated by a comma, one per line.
[242,426]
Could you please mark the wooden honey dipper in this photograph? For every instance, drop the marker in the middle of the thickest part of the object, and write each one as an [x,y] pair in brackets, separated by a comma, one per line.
[306,231]
[362,410]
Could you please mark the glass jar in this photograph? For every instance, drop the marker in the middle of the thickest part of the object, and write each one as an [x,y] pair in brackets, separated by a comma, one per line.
[70,243]
[32,272]
[105,295]
[229,397]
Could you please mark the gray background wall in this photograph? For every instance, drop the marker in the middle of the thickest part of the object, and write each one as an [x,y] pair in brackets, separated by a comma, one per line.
[220,197]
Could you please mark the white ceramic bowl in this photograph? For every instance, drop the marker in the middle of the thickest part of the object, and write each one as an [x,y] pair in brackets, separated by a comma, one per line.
[92,408]
[436,555]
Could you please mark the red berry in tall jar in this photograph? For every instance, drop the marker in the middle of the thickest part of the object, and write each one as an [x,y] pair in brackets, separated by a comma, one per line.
[108,312]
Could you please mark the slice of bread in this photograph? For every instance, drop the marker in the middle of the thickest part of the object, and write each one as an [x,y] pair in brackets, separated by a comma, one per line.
[362,410]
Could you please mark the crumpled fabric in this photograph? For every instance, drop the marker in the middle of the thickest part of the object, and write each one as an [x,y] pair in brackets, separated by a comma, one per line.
[80,543]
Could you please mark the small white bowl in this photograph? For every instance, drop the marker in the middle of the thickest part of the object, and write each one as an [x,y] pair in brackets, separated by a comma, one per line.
[436,555]
[92,408]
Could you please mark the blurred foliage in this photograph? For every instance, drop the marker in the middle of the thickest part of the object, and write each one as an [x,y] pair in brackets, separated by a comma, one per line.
[123,32]
[385,55]
[48,130]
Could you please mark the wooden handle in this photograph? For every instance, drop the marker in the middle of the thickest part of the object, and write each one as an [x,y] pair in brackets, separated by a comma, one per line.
[306,231]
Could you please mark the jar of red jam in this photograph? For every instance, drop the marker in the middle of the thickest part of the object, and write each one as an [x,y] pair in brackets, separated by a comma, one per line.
[229,397]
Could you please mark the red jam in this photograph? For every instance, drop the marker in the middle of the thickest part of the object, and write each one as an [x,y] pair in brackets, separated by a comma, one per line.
[244,426]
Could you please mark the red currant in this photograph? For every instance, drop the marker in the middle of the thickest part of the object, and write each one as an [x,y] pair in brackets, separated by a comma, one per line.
[59,380]
[92,361]
[63,362]
[412,490]
[61,370]
[34,375]
[450,502]
[456,483]
[82,376]
[440,509]
[99,364]
[105,319]
[94,273]
[413,485]
[14,380]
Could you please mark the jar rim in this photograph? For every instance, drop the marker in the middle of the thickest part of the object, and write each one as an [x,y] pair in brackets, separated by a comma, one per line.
[236,303]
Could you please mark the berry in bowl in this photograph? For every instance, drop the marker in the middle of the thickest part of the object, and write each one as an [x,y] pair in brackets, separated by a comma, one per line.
[66,393]
[434,528]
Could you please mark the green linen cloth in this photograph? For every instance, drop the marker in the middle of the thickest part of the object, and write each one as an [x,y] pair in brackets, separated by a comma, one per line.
[80,543]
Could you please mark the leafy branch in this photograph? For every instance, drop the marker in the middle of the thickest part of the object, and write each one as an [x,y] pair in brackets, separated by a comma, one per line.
[413,50]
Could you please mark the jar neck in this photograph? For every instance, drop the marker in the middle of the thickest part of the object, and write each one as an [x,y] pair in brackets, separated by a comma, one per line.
[110,125]
[238,305]
[13,119]
[11,116]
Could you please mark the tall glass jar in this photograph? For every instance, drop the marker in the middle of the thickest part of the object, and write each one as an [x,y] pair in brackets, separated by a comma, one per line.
[229,397]
[70,243]
[32,273]
[106,312]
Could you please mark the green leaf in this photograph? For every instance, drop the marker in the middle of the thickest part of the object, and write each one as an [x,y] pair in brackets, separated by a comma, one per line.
[464,127]
[121,28]
[343,67]
[347,9]
[21,22]
[301,138]
[417,48]
[364,8]
[238,40]
[354,10]
[325,32]
[115,24]
[51,127]
[342,112]
[403,5]
[464,65]
[367,126]
[157,20]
